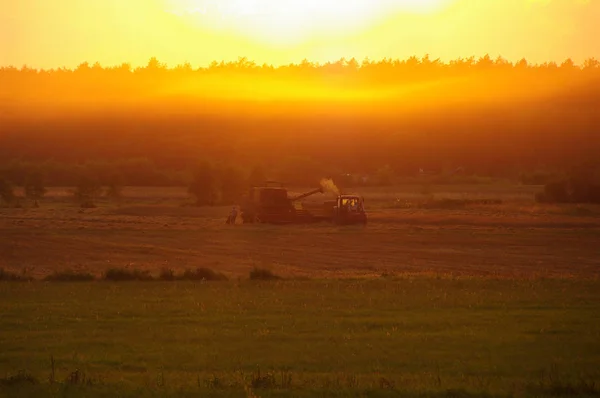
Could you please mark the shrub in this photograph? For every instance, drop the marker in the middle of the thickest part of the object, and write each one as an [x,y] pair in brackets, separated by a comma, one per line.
[70,276]
[122,274]
[555,192]
[34,187]
[7,194]
[87,191]
[202,274]
[8,276]
[166,274]
[263,274]
[114,189]
[21,378]
[263,381]
[204,185]
[574,190]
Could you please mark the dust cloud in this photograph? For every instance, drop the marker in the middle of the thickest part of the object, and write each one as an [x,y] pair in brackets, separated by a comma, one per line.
[329,186]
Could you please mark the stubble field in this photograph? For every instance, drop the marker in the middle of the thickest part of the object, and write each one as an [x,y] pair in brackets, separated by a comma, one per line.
[443,292]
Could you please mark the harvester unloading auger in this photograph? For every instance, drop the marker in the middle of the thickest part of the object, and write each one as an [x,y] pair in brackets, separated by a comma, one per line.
[271,204]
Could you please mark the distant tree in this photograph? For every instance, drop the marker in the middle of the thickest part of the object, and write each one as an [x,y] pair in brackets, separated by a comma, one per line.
[301,170]
[204,185]
[87,191]
[384,176]
[155,64]
[35,187]
[591,63]
[257,176]
[568,64]
[232,184]
[114,189]
[522,64]
[7,194]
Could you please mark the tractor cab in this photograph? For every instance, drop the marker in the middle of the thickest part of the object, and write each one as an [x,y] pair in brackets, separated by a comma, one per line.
[350,209]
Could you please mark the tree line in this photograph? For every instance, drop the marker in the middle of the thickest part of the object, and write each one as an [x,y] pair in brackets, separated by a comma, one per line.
[213,184]
[121,81]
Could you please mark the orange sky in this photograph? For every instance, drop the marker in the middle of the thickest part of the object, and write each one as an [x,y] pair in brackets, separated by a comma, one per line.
[54,33]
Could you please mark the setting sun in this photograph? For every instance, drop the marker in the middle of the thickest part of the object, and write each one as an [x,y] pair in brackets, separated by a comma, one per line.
[288,21]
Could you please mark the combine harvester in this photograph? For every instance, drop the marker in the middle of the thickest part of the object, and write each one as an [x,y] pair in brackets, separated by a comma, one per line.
[271,204]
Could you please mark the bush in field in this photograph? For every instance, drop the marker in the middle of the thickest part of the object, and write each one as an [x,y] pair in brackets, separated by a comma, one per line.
[7,193]
[87,191]
[7,276]
[263,274]
[70,276]
[166,274]
[20,379]
[204,185]
[554,192]
[35,187]
[200,274]
[384,176]
[122,274]
[582,186]
[114,189]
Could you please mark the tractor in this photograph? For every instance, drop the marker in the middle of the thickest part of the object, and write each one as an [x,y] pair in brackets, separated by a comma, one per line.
[349,209]
[344,210]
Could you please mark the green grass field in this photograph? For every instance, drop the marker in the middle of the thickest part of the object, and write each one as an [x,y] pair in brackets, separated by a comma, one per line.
[417,335]
[441,299]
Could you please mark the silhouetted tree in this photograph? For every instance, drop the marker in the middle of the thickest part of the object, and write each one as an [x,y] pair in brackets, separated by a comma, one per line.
[384,176]
[7,194]
[114,189]
[204,185]
[87,191]
[257,176]
[232,185]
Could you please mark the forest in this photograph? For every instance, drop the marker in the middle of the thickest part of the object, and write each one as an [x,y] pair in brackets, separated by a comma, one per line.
[391,120]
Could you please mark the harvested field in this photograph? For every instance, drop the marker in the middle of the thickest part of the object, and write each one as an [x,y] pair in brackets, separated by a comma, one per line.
[153,229]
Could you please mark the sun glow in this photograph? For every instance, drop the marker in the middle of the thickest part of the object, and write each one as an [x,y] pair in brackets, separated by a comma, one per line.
[292,21]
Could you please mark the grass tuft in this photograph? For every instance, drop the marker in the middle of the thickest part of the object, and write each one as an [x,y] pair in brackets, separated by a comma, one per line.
[20,379]
[70,276]
[263,274]
[266,381]
[122,274]
[557,388]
